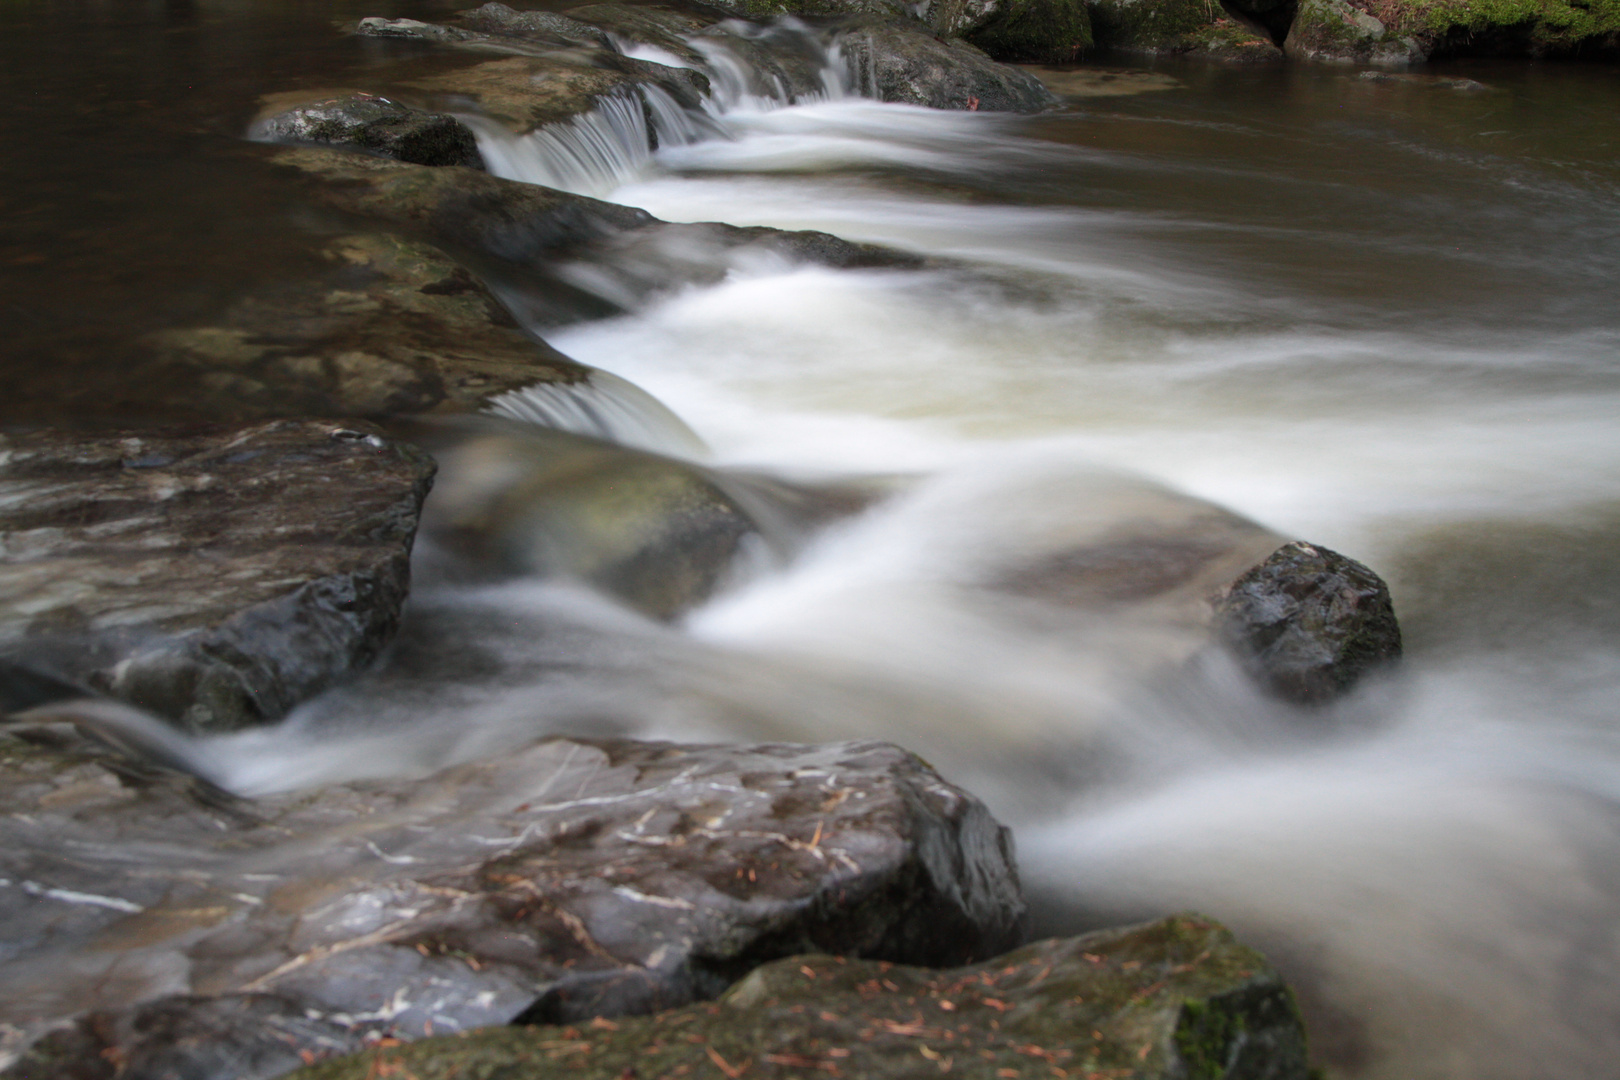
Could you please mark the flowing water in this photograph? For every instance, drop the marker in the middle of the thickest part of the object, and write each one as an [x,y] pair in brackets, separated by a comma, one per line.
[1377,314]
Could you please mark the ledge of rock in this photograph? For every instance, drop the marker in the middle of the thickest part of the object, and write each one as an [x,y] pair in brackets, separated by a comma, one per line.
[1309,622]
[390,326]
[214,577]
[540,227]
[911,65]
[377,125]
[1169,1000]
[561,881]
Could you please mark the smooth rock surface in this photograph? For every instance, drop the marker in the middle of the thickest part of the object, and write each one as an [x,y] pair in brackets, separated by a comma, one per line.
[215,577]
[655,532]
[1309,622]
[904,63]
[376,125]
[388,326]
[157,927]
[1177,999]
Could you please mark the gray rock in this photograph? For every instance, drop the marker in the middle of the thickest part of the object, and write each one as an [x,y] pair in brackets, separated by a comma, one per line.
[379,126]
[1338,32]
[545,26]
[1309,622]
[1169,1000]
[389,326]
[413,30]
[214,577]
[155,928]
[897,62]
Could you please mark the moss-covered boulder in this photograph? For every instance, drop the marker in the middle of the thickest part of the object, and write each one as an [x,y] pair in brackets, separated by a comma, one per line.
[1181,27]
[1178,999]
[1045,31]
[1337,31]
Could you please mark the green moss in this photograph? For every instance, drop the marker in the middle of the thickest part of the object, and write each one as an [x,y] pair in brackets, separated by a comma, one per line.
[1173,26]
[1547,25]
[1049,31]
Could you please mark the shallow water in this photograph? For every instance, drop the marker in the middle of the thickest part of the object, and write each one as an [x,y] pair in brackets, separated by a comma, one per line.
[1375,314]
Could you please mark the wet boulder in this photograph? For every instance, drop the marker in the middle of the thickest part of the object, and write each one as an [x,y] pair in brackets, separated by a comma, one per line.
[1179,27]
[543,26]
[1163,1001]
[1337,31]
[908,64]
[216,576]
[376,125]
[554,882]
[1309,622]
[385,326]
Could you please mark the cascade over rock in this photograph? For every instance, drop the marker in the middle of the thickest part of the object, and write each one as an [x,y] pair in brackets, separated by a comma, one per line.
[1166,1000]
[214,577]
[558,881]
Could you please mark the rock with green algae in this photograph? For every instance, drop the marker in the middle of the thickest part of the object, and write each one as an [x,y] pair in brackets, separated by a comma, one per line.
[387,326]
[1562,28]
[1178,999]
[1337,31]
[1198,28]
[1044,31]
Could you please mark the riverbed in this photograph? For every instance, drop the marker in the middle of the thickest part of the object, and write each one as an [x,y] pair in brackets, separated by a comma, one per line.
[1375,313]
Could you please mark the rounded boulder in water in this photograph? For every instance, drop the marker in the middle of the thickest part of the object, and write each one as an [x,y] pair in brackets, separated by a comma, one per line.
[1308,622]
[379,126]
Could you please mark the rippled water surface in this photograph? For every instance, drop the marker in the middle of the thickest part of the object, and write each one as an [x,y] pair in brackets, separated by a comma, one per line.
[1377,314]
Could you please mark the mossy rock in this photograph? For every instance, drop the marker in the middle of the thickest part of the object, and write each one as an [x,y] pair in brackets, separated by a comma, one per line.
[1198,27]
[1338,32]
[1586,28]
[1175,998]
[1045,31]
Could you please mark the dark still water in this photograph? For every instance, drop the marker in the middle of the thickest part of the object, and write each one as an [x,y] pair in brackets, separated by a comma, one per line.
[1378,313]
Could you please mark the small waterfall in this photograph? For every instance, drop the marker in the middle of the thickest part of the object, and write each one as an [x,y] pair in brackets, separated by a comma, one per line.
[589,155]
[604,407]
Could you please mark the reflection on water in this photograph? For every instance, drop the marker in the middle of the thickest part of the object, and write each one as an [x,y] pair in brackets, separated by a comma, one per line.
[1374,314]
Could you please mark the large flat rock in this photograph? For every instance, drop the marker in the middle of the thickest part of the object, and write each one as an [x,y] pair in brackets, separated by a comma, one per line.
[166,928]
[1178,999]
[213,576]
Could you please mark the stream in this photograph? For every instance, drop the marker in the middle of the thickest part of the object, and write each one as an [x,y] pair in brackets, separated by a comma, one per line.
[1377,314]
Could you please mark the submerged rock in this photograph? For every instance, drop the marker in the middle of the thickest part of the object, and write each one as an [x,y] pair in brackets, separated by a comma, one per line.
[1337,31]
[1309,622]
[214,577]
[1174,999]
[657,533]
[902,63]
[376,125]
[391,326]
[1181,27]
[557,882]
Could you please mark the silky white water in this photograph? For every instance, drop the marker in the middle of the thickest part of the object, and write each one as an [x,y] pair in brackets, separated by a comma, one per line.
[1328,306]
